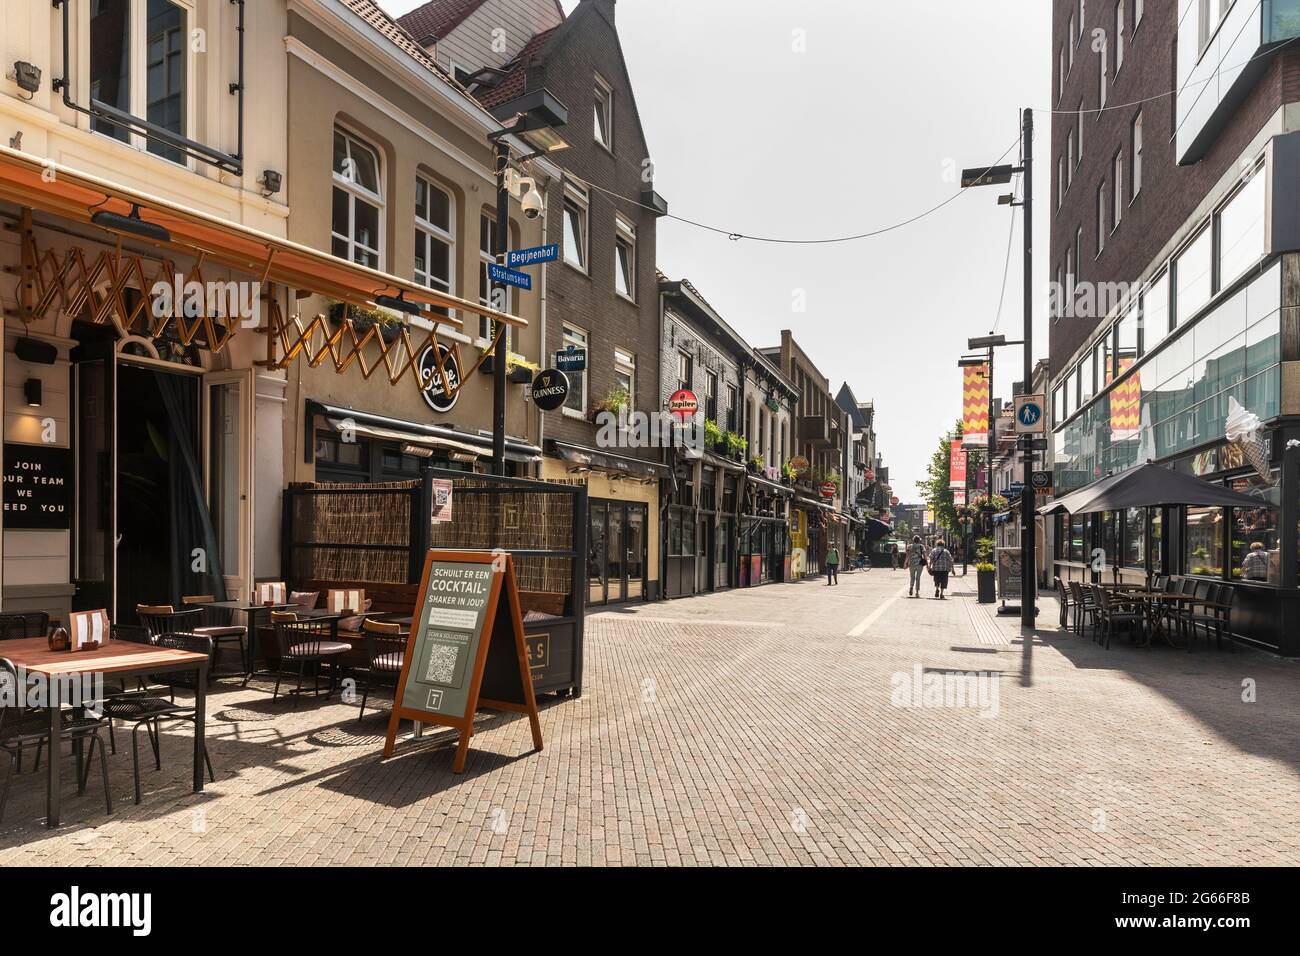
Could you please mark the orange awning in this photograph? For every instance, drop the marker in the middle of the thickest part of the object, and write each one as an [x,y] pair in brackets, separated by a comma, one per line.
[31,181]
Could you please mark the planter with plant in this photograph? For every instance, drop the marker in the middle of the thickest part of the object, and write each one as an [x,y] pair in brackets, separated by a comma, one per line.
[714,437]
[788,474]
[986,570]
[390,325]
[735,446]
[613,403]
[755,464]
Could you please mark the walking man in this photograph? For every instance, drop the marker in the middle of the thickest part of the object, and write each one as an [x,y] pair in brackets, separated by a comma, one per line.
[940,562]
[832,566]
[915,559]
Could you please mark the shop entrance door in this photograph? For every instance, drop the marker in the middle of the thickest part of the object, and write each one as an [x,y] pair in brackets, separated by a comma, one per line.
[616,552]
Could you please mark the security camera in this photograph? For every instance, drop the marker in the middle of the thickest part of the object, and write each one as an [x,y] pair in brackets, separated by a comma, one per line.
[531,204]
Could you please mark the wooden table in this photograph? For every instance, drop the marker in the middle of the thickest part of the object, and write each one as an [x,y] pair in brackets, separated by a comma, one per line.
[121,659]
[1150,600]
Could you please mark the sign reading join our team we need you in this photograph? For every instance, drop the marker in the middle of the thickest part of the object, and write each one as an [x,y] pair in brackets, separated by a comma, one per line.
[466,650]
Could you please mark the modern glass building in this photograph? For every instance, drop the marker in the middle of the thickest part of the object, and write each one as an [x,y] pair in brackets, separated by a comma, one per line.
[1206,335]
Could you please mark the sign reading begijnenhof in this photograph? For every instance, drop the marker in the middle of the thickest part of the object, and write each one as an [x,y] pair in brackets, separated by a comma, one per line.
[466,650]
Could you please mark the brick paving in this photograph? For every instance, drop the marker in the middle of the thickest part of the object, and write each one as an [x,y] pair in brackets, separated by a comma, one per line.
[754,727]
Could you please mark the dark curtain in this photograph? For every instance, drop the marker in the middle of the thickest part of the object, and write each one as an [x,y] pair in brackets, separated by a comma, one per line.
[191,524]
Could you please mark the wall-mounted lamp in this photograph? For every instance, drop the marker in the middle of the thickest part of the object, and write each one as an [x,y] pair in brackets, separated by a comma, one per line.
[26,75]
[271,182]
[32,392]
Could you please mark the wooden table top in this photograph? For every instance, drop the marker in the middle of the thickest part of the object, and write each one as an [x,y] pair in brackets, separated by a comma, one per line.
[34,654]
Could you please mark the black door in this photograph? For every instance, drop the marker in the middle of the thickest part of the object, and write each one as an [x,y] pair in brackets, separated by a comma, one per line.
[93,384]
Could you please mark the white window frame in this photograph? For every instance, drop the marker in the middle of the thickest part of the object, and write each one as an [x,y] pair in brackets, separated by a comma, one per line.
[1101,218]
[625,236]
[1119,35]
[577,196]
[1117,190]
[139,78]
[603,103]
[625,364]
[432,232]
[1103,80]
[355,192]
[1136,134]
[579,338]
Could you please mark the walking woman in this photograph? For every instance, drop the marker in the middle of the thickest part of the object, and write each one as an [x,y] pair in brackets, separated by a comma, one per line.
[940,562]
[915,559]
[833,565]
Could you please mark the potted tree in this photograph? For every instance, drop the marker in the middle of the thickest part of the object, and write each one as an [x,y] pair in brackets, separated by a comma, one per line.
[986,571]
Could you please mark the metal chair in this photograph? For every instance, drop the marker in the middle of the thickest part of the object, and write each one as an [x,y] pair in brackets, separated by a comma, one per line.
[385,651]
[142,709]
[1065,603]
[24,624]
[165,619]
[1085,608]
[1216,616]
[20,727]
[1114,611]
[303,643]
[215,622]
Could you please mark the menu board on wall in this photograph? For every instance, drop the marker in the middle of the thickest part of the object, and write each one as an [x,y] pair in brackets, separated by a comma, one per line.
[37,487]
[466,650]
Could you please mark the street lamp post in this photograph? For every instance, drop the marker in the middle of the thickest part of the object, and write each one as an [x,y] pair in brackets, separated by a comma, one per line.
[533,118]
[988,176]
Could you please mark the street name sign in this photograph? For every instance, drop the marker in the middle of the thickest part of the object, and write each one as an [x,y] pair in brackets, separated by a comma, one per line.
[1030,419]
[533,256]
[520,280]
[466,650]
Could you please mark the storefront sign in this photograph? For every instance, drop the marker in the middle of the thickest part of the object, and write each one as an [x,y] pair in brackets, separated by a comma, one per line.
[773,403]
[682,404]
[550,389]
[828,489]
[435,396]
[466,650]
[893,502]
[571,359]
[37,487]
[1041,482]
[442,500]
[869,474]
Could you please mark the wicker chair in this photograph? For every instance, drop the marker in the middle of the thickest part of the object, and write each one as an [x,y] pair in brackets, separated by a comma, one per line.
[385,651]
[26,624]
[145,710]
[303,643]
[20,727]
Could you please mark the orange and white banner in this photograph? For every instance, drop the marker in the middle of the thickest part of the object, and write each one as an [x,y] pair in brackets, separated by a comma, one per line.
[957,466]
[975,406]
[1126,404]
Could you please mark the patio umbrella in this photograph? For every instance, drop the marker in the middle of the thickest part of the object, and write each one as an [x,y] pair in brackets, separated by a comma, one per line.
[1148,486]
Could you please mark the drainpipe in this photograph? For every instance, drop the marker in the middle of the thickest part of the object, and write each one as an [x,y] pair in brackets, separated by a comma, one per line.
[541,319]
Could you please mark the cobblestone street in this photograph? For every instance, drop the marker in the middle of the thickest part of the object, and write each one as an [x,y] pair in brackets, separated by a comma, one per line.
[752,727]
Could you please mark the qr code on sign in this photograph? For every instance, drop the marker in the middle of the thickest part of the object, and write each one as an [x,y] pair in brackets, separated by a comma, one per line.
[441,668]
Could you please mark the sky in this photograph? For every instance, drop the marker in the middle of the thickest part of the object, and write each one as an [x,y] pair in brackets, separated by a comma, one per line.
[829,118]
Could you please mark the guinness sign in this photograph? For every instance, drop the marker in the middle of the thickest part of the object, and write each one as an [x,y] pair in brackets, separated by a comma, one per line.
[435,396]
[550,389]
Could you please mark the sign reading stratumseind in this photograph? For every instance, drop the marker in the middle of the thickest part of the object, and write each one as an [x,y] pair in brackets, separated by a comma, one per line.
[550,389]
[435,396]
[37,487]
[466,650]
